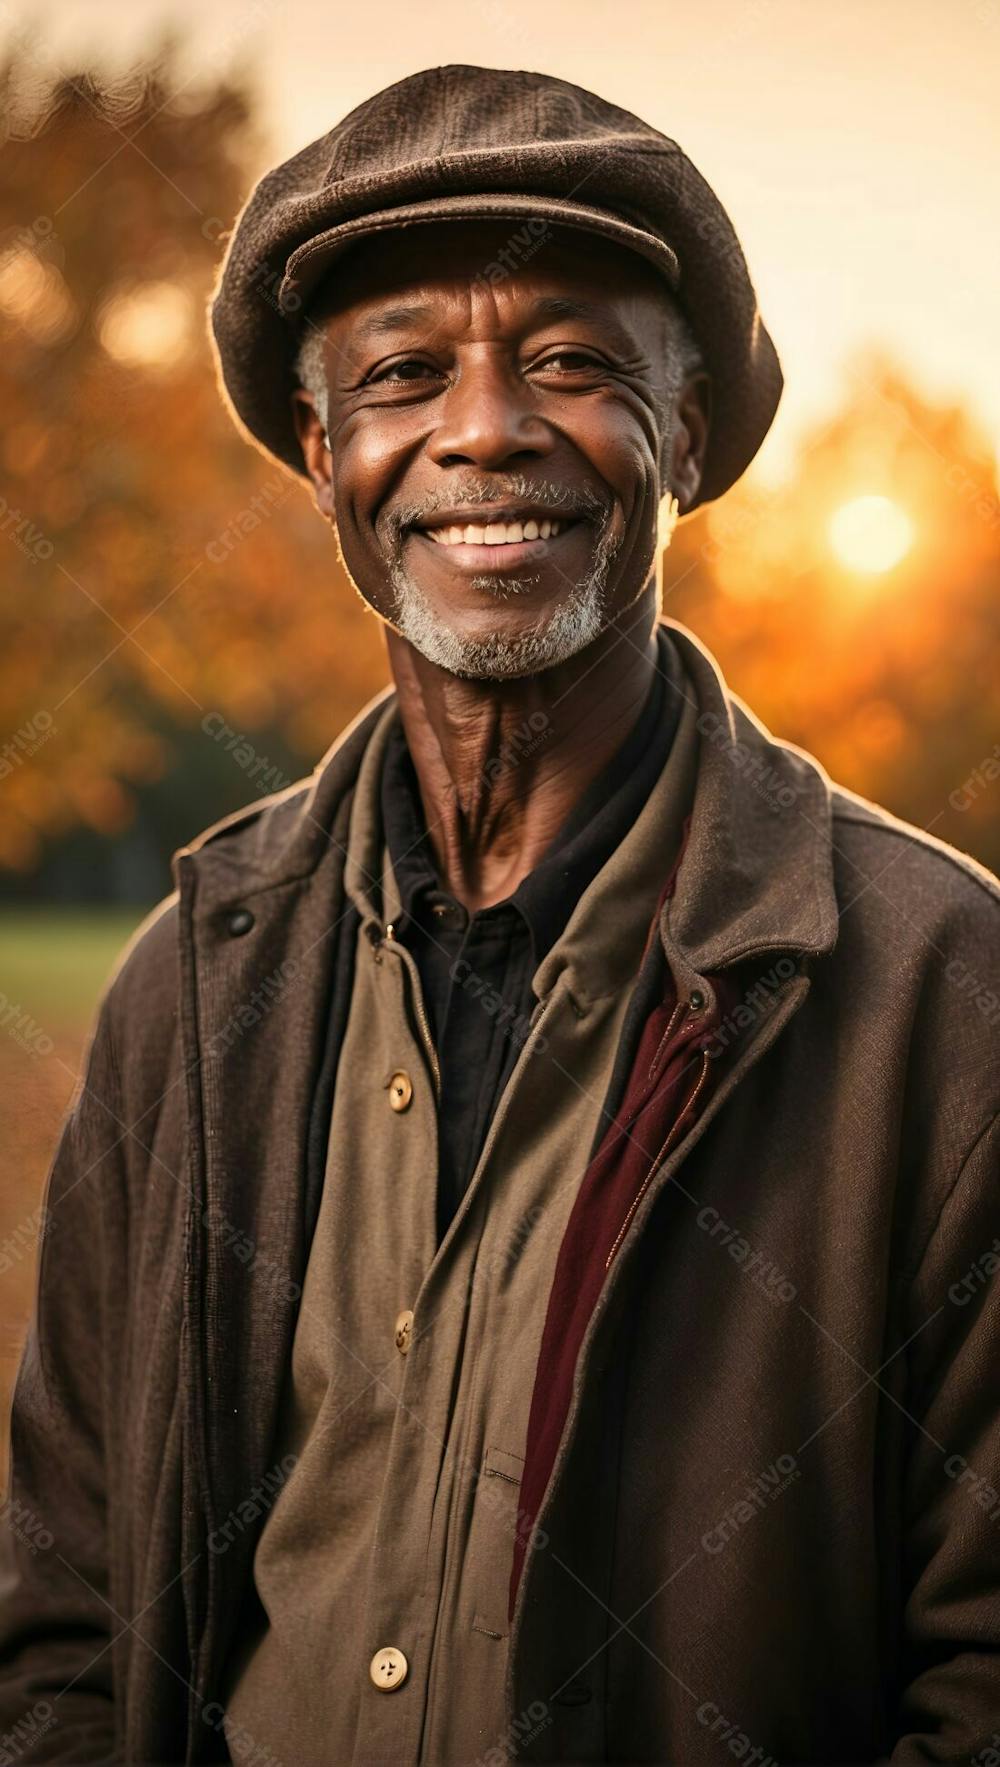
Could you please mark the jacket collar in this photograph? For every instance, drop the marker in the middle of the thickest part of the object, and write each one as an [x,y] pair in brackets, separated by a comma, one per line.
[757,869]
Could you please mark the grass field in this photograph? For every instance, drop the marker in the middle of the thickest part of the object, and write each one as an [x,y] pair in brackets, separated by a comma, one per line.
[53,966]
[53,962]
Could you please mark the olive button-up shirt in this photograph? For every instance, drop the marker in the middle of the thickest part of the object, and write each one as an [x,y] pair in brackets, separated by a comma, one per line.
[377,1630]
[491,955]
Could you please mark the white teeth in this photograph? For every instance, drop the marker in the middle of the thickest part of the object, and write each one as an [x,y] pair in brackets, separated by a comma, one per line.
[494,533]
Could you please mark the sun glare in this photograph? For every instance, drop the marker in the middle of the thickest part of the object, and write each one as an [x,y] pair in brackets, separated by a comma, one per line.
[870,534]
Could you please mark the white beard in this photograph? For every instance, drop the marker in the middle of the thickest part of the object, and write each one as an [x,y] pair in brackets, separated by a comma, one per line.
[574,623]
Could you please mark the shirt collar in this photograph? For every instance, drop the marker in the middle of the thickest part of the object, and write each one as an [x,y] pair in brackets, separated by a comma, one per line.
[588,836]
[600,944]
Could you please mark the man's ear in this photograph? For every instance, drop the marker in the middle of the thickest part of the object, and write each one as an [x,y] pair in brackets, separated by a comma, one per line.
[315,449]
[685,462]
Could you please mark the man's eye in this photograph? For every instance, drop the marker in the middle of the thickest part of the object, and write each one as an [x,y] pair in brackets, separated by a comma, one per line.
[575,359]
[395,369]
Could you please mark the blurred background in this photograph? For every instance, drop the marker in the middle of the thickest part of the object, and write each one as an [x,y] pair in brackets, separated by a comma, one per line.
[176,637]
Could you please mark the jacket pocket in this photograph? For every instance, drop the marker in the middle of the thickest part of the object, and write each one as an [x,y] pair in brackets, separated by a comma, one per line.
[492,1545]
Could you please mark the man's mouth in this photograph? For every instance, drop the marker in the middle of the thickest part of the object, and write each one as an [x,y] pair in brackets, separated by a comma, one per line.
[496,533]
[497,539]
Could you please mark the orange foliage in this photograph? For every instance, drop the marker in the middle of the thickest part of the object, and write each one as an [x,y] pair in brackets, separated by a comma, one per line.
[155,567]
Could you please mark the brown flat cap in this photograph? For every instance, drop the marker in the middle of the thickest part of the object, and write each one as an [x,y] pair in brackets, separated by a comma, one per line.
[464,142]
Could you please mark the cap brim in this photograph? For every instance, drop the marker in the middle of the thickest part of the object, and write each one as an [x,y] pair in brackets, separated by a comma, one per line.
[307,265]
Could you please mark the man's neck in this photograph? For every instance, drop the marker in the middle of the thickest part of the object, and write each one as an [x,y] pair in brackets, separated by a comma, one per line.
[501,764]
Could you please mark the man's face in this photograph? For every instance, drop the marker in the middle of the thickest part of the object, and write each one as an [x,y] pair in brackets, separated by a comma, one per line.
[471,406]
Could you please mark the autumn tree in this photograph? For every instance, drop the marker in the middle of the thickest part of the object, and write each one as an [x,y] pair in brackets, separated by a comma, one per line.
[156,571]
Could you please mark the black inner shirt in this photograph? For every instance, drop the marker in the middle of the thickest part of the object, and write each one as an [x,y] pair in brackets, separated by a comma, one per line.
[476,969]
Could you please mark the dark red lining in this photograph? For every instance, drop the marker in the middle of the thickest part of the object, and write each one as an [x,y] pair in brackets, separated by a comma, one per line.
[670,1081]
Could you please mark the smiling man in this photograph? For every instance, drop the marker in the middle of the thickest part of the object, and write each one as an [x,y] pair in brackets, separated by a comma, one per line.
[571,368]
[503,451]
[516,1280]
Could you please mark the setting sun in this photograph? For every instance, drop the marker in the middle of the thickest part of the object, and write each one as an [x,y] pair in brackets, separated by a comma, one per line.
[870,534]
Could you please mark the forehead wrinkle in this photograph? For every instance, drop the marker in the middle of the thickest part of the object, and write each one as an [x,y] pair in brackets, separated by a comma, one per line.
[391,319]
[385,321]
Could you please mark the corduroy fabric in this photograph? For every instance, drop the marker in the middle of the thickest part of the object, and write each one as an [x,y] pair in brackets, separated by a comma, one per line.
[460,142]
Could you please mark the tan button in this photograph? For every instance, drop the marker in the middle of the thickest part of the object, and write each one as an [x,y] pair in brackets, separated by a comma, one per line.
[388,1668]
[404,1327]
[400,1090]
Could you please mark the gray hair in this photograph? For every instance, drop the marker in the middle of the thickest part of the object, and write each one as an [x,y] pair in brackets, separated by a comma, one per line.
[311,370]
[683,353]
[683,347]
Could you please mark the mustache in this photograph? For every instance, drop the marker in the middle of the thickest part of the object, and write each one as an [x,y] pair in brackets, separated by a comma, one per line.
[581,502]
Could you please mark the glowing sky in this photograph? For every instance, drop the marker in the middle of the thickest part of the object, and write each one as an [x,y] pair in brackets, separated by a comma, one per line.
[855,145]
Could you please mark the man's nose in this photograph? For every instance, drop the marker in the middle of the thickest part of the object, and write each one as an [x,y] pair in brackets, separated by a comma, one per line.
[488,417]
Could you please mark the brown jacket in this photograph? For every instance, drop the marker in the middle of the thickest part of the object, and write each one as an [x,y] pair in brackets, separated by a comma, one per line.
[771,1528]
